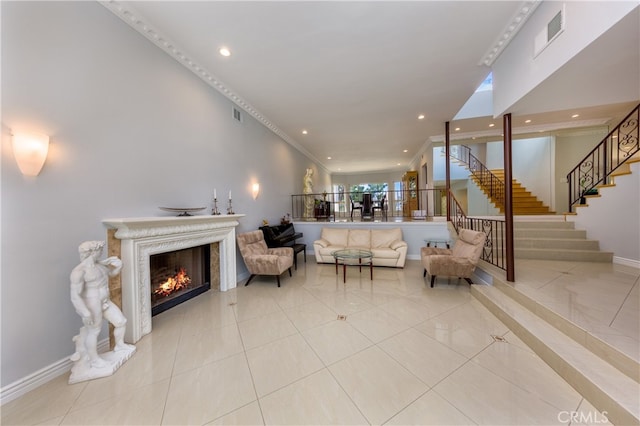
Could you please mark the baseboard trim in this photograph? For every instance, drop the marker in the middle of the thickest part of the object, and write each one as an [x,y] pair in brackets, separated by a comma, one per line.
[626,262]
[22,386]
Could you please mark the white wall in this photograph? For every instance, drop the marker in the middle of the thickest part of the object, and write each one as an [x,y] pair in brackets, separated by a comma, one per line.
[516,71]
[478,202]
[614,218]
[457,170]
[131,130]
[532,162]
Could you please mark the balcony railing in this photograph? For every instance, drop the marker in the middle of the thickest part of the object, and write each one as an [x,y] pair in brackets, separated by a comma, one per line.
[337,206]
[615,149]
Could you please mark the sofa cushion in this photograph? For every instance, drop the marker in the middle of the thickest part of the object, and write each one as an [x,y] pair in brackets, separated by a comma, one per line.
[359,238]
[384,237]
[385,253]
[326,251]
[335,236]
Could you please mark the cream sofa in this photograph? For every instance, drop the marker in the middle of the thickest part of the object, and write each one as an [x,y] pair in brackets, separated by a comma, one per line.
[387,245]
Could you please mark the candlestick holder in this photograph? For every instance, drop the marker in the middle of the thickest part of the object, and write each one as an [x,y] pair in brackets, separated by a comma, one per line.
[215,211]
[230,209]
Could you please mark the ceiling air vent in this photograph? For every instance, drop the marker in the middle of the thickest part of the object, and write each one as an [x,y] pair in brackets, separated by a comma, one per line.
[237,115]
[554,28]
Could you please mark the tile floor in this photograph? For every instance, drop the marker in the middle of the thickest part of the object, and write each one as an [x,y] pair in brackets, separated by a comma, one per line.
[405,354]
[601,298]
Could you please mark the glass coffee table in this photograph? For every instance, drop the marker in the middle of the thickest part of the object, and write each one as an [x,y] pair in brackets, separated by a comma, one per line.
[353,257]
[436,241]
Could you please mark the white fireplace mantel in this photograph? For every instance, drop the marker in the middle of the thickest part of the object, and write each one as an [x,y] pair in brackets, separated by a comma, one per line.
[144,236]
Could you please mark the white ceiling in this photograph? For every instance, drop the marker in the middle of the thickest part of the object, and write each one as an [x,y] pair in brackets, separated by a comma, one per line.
[355,75]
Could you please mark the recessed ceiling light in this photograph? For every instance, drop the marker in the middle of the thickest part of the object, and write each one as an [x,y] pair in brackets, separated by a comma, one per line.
[421,117]
[457,129]
[527,121]
[224,51]
[575,116]
[304,132]
[328,158]
[491,125]
[405,150]
[397,164]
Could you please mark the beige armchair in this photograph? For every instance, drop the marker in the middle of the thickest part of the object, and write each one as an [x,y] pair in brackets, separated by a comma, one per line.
[260,259]
[458,262]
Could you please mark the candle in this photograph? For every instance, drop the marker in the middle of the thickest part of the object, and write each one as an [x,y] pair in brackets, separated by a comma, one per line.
[229,194]
[215,195]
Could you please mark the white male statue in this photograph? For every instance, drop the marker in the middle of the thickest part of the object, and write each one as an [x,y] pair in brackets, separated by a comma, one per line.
[90,297]
[307,188]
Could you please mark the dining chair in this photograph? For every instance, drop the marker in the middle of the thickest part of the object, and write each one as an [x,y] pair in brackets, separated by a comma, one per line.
[382,207]
[355,206]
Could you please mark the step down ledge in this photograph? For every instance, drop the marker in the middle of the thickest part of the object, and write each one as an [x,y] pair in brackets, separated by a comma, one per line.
[564,254]
[605,351]
[604,386]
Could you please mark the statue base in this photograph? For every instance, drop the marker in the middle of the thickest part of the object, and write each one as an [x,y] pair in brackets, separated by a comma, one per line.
[82,369]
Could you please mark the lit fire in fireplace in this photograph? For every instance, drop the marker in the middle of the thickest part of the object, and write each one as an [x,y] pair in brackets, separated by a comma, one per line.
[178,282]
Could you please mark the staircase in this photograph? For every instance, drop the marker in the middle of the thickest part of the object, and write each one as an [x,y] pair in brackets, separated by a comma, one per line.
[607,377]
[491,182]
[555,240]
[623,170]
[610,157]
[524,202]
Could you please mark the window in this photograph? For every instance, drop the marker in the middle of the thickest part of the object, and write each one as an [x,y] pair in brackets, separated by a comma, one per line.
[377,191]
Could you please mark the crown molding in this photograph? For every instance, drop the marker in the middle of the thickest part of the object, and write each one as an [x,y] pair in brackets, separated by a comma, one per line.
[509,32]
[539,128]
[135,20]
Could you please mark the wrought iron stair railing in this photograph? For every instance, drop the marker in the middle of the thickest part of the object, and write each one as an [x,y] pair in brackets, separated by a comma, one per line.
[620,145]
[489,182]
[493,251]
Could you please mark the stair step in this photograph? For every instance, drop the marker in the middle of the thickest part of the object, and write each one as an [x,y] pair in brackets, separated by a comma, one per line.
[523,202]
[556,244]
[529,210]
[606,387]
[549,233]
[563,254]
[527,203]
[623,169]
[550,224]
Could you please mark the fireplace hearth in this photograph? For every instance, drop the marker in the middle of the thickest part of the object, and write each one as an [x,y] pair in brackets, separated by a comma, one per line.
[141,238]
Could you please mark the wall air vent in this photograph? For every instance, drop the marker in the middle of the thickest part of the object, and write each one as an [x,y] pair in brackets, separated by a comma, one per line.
[554,28]
[237,115]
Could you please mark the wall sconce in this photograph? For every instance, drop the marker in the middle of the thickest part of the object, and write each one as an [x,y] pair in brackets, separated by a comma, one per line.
[30,151]
[255,190]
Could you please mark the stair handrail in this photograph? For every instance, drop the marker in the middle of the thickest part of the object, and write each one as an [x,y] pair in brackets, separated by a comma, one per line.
[493,251]
[486,179]
[621,144]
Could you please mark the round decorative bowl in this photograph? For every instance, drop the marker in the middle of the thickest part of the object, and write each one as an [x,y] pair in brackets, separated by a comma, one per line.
[183,211]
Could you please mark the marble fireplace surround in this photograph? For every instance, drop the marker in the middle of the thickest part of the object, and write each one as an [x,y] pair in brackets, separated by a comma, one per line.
[144,236]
